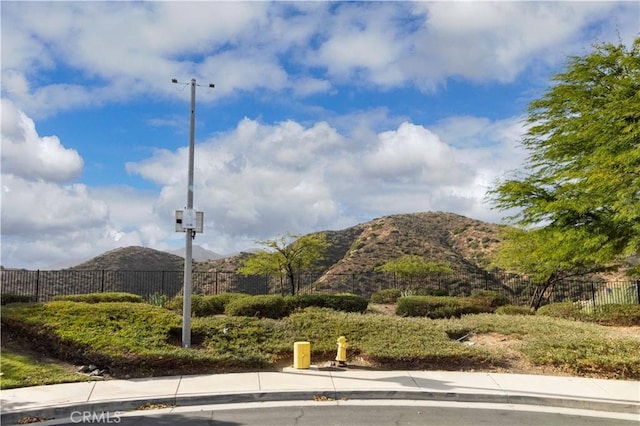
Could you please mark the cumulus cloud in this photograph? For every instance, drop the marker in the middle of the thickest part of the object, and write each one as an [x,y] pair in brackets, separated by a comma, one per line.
[277,47]
[260,180]
[31,157]
[46,218]
[263,180]
[505,37]
[44,207]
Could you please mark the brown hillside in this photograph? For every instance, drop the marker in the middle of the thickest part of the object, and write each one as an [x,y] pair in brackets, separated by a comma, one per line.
[463,243]
[134,259]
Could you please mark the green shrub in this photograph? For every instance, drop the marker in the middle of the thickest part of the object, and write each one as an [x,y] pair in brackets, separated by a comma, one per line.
[437,306]
[514,310]
[225,298]
[6,298]
[346,302]
[566,310]
[109,297]
[201,306]
[338,302]
[204,306]
[264,306]
[489,298]
[301,301]
[389,295]
[616,314]
[431,292]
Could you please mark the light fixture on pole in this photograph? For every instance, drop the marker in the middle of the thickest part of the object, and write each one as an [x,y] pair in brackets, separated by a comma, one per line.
[189,221]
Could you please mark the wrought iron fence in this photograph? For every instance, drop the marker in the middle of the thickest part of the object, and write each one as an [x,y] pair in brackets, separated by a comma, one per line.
[42,286]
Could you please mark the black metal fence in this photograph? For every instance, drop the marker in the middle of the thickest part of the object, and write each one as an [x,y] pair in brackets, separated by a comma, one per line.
[42,286]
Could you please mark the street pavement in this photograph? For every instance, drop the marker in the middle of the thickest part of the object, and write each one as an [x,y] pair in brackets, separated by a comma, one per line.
[97,399]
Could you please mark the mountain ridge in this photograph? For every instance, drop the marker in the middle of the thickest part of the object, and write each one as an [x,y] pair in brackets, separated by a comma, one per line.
[465,244]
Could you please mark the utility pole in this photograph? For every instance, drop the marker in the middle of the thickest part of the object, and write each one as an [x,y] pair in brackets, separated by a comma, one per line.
[190,229]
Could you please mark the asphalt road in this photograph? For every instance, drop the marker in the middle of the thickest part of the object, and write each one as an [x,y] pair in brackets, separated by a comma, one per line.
[370,415]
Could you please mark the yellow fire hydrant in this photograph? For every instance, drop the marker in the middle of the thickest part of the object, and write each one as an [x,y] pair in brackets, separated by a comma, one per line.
[341,356]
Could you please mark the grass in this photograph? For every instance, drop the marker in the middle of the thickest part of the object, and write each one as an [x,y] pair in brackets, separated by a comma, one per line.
[20,371]
[138,339]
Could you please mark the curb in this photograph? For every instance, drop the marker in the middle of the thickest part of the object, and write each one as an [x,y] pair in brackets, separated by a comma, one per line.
[64,411]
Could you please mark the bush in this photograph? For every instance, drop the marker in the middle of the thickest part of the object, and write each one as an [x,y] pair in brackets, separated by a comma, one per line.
[338,302]
[225,298]
[513,310]
[431,292]
[265,306]
[6,298]
[566,310]
[616,314]
[101,298]
[489,298]
[437,306]
[389,295]
[346,302]
[204,306]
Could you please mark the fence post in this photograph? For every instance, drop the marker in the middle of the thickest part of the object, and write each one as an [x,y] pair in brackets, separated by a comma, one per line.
[38,285]
[593,294]
[638,290]
[102,282]
[162,284]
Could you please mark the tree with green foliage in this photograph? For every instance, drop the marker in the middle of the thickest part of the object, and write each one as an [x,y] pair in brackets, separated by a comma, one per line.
[413,268]
[577,200]
[287,256]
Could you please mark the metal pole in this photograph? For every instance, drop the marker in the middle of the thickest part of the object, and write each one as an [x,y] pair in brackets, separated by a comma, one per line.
[186,307]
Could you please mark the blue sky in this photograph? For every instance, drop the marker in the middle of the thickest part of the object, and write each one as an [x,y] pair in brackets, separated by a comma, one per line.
[324,115]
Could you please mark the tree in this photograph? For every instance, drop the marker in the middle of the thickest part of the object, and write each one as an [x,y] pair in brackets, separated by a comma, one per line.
[579,193]
[287,256]
[413,267]
[547,256]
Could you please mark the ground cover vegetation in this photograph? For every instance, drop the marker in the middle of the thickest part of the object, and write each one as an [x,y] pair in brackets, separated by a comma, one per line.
[132,339]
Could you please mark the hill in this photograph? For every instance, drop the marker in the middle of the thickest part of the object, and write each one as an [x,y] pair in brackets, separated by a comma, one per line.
[134,259]
[465,244]
[199,254]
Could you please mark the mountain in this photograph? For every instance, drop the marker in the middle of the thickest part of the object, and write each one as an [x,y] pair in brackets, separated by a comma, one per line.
[199,254]
[465,244]
[134,259]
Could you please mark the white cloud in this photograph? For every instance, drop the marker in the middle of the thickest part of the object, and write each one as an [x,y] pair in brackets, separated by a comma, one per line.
[495,41]
[45,220]
[134,48]
[412,153]
[30,207]
[263,180]
[29,156]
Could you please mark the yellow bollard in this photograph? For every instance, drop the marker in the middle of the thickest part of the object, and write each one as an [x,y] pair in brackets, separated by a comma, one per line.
[301,355]
[341,356]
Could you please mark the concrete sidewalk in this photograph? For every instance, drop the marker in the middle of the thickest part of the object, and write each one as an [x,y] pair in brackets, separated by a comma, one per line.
[59,401]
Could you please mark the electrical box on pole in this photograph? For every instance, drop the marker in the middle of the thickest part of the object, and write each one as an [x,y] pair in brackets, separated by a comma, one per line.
[189,219]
